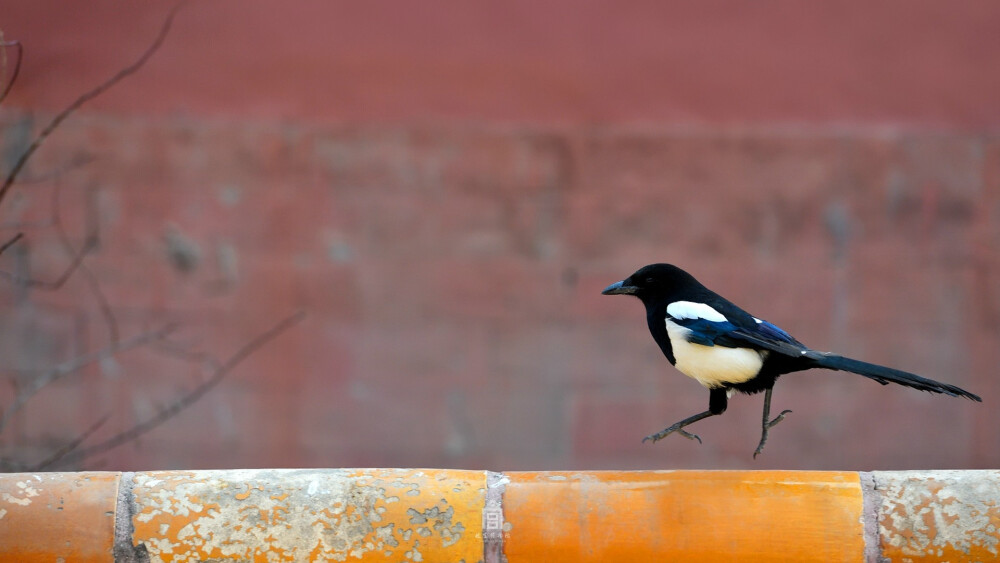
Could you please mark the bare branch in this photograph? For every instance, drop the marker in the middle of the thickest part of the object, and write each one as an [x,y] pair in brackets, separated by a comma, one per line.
[17,66]
[76,161]
[91,242]
[61,116]
[11,242]
[71,446]
[190,398]
[72,366]
[53,285]
[177,350]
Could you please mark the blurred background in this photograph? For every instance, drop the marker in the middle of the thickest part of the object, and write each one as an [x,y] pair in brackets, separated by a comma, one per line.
[444,188]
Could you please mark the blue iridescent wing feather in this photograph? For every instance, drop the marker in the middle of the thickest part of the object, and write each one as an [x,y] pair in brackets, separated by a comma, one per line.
[768,336]
[705,332]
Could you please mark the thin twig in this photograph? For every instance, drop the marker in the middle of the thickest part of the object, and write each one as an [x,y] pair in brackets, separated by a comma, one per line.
[58,119]
[47,285]
[102,303]
[17,66]
[179,351]
[91,241]
[75,162]
[71,446]
[66,368]
[11,242]
[189,399]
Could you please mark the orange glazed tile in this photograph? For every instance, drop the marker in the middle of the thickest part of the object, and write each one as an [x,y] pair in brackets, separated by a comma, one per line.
[683,516]
[49,517]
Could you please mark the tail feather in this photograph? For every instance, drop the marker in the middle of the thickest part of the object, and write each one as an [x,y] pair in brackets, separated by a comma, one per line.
[886,375]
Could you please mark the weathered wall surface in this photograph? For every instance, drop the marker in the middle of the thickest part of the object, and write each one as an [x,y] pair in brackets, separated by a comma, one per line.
[448,215]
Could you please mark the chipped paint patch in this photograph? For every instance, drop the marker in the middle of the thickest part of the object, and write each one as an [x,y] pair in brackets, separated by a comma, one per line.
[295,515]
[939,515]
[21,494]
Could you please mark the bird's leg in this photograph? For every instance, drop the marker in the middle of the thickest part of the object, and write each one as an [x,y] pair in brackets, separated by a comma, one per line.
[717,401]
[678,427]
[768,424]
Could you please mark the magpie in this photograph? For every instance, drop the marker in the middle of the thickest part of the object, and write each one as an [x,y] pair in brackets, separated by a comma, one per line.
[726,349]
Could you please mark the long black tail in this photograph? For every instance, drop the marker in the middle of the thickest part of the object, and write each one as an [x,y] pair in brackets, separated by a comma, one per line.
[886,375]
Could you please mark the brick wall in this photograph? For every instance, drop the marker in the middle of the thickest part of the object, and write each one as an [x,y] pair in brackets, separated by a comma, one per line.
[451,268]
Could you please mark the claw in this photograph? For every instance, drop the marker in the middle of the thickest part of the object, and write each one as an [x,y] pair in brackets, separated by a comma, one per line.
[779,418]
[661,435]
[689,435]
[679,428]
[768,424]
[759,449]
[763,437]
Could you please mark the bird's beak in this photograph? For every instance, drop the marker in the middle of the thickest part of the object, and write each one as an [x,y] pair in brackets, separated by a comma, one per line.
[619,288]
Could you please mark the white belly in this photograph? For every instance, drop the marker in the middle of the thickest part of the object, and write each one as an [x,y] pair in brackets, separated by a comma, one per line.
[713,366]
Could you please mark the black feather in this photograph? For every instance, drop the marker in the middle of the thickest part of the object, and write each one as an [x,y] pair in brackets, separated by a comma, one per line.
[886,375]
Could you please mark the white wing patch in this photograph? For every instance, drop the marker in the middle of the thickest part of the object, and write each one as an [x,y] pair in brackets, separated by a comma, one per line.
[692,310]
[713,366]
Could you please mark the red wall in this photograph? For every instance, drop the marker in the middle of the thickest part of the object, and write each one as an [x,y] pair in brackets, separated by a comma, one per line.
[445,188]
[643,63]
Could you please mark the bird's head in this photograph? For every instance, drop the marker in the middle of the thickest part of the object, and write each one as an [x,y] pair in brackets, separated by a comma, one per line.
[653,283]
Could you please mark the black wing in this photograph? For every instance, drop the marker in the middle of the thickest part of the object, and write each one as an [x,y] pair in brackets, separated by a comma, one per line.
[764,335]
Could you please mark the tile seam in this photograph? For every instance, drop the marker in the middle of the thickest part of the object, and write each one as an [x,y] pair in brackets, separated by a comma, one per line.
[871,501]
[493,529]
[125,551]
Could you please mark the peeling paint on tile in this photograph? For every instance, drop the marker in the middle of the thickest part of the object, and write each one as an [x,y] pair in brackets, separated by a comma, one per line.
[22,494]
[294,515]
[946,515]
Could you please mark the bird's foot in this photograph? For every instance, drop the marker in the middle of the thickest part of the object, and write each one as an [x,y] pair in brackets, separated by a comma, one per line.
[679,428]
[779,418]
[667,431]
[760,446]
[767,426]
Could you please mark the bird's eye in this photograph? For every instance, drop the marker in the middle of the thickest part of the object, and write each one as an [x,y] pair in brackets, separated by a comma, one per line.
[649,281]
